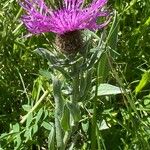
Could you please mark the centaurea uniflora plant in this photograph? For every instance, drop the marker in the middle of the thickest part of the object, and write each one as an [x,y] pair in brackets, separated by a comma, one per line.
[68,19]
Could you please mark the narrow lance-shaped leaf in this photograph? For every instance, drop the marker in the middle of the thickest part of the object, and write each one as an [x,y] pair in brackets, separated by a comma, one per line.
[108,89]
[143,82]
[51,139]
[113,33]
[58,111]
[65,120]
[75,111]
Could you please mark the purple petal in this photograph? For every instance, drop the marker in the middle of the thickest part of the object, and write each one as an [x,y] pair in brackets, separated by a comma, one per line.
[39,18]
[73,4]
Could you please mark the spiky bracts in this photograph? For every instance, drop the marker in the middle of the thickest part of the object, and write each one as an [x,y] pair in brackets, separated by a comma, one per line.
[70,42]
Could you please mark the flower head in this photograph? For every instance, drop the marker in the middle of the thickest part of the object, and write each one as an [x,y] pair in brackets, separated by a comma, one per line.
[69,16]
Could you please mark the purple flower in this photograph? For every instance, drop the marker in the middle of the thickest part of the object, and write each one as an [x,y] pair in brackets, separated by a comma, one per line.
[71,16]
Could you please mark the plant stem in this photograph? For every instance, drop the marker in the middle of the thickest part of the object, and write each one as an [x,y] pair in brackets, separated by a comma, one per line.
[34,107]
[59,106]
[75,85]
[94,119]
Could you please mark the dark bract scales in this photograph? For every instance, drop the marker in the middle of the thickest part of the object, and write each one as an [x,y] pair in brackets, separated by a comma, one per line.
[69,42]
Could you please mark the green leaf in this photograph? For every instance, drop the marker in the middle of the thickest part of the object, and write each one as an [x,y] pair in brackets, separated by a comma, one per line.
[46,125]
[103,68]
[47,55]
[45,73]
[113,33]
[16,128]
[39,114]
[85,126]
[103,125]
[59,104]
[93,58]
[108,89]
[75,111]
[146,101]
[34,128]
[143,82]
[8,135]
[85,84]
[58,97]
[51,140]
[36,88]
[17,140]
[61,70]
[147,22]
[29,120]
[26,107]
[65,120]
[28,134]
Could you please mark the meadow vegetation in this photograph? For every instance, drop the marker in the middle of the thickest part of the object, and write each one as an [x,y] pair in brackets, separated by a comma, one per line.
[116,118]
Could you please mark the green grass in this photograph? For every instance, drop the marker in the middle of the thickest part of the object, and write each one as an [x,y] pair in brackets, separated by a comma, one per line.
[35,93]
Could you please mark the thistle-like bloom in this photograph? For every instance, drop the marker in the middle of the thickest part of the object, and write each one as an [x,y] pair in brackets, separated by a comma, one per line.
[64,20]
[70,17]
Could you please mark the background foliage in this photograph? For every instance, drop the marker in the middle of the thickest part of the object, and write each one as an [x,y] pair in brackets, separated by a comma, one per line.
[24,80]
